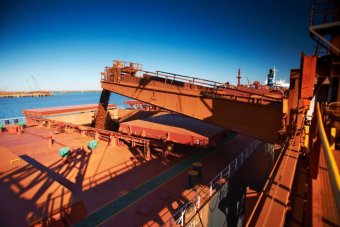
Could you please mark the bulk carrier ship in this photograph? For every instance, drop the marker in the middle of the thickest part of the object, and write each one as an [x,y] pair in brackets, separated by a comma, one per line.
[189,151]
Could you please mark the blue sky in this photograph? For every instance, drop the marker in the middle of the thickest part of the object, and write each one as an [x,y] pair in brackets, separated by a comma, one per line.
[66,44]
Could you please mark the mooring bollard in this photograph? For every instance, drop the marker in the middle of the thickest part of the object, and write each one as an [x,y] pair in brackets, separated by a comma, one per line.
[192,178]
[198,167]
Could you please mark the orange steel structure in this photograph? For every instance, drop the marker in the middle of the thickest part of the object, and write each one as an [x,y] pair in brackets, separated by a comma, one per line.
[213,102]
[175,128]
[302,184]
[288,121]
[256,113]
[269,116]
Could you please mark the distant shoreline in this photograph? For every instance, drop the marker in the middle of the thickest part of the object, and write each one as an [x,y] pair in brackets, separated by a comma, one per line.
[99,90]
[18,94]
[68,91]
[21,94]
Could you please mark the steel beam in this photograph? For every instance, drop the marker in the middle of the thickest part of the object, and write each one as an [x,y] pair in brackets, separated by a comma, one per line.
[255,120]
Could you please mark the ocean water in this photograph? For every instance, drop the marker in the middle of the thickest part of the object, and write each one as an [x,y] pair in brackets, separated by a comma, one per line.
[12,107]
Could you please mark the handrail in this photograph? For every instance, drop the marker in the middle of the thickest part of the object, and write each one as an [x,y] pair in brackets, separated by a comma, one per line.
[178,218]
[323,12]
[327,16]
[194,79]
[334,104]
[333,169]
[210,84]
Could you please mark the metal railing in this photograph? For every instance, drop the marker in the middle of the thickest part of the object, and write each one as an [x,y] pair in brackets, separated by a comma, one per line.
[90,131]
[192,80]
[324,16]
[215,86]
[207,86]
[333,170]
[322,13]
[14,120]
[201,197]
[174,77]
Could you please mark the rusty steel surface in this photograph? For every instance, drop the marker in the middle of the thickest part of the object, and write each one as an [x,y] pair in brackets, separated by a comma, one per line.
[324,207]
[61,110]
[308,78]
[52,189]
[157,205]
[133,102]
[250,114]
[293,94]
[175,128]
[273,202]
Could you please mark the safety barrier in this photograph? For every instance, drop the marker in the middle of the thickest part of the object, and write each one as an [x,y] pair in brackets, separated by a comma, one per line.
[200,197]
[189,79]
[332,166]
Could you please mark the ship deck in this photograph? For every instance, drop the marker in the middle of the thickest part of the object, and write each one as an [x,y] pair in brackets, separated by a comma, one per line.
[112,182]
[154,202]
